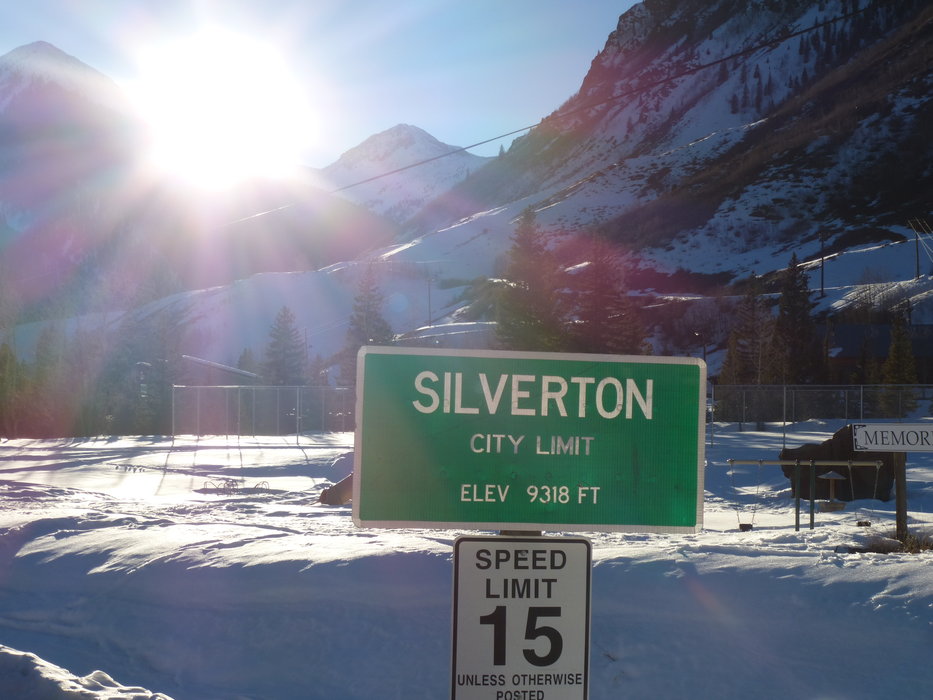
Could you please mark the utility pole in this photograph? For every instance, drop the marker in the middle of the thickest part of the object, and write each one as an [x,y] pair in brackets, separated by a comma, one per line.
[918,226]
[822,263]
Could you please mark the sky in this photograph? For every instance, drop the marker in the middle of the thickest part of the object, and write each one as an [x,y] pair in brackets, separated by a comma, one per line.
[463,71]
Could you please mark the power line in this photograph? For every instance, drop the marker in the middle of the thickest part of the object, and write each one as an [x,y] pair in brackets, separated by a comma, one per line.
[776,41]
[616,98]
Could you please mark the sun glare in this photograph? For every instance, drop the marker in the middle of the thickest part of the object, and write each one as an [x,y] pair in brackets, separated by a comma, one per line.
[221,108]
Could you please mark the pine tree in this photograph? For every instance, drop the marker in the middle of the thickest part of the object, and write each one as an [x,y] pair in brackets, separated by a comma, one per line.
[284,361]
[247,361]
[899,368]
[606,319]
[86,354]
[150,342]
[529,313]
[795,348]
[723,74]
[747,354]
[367,324]
[9,375]
[747,358]
[45,404]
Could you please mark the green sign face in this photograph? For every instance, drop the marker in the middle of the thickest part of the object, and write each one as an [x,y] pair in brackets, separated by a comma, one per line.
[543,441]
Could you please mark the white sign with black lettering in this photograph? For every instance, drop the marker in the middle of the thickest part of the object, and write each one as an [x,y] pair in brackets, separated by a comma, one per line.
[521,618]
[892,437]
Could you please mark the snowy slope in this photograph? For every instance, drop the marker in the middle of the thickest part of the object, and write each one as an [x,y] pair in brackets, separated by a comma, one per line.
[124,565]
[40,63]
[732,126]
[426,282]
[399,196]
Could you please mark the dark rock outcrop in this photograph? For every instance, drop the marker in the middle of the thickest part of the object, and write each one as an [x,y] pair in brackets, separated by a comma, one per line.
[859,482]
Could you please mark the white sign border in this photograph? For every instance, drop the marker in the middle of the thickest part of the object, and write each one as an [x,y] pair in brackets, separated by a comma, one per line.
[493,539]
[529,355]
[893,427]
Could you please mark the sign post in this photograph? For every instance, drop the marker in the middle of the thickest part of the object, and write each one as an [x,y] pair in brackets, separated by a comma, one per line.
[531,441]
[521,618]
[899,438]
[526,441]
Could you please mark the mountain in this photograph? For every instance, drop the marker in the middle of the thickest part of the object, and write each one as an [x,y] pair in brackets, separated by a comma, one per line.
[707,134]
[406,189]
[66,150]
[62,125]
[42,66]
[84,227]
[709,141]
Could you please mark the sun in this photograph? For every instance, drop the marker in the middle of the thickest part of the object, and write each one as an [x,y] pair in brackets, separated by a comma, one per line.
[221,107]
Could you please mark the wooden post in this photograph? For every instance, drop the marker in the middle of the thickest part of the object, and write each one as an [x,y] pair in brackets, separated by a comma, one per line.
[812,493]
[900,495]
[797,495]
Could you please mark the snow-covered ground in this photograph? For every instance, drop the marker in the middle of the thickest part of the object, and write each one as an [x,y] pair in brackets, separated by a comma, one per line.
[207,570]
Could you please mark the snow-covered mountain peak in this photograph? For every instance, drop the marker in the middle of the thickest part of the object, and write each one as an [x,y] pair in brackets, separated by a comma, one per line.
[401,196]
[395,146]
[41,64]
[38,58]
[42,61]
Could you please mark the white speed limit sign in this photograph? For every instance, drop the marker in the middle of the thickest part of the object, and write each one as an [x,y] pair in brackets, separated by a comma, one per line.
[521,618]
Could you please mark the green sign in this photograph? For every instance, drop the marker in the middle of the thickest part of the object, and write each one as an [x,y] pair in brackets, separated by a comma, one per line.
[543,441]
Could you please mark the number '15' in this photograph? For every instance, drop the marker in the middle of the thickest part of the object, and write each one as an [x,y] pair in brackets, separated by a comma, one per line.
[532,631]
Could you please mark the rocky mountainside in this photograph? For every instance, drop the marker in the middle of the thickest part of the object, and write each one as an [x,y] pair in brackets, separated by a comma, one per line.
[706,133]
[710,140]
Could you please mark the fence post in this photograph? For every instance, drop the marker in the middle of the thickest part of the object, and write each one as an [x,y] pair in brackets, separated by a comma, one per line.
[784,416]
[744,413]
[797,495]
[812,493]
[712,414]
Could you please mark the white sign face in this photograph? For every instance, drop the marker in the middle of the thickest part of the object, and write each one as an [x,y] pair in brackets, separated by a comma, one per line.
[521,618]
[893,437]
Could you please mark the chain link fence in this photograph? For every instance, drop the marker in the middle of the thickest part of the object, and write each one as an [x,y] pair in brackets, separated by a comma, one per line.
[288,410]
[261,410]
[760,404]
